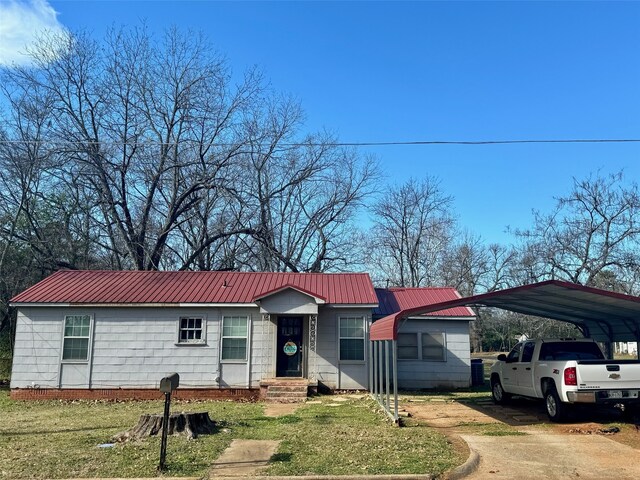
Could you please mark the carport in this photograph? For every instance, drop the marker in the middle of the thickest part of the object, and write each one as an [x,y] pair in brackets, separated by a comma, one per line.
[599,314]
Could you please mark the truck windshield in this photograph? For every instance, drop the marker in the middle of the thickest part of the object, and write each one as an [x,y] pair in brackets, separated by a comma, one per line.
[570,351]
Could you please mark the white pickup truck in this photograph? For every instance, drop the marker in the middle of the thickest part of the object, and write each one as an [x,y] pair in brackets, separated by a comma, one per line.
[565,372]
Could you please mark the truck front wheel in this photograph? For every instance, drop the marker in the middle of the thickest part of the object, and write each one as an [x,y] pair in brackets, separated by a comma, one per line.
[498,394]
[556,410]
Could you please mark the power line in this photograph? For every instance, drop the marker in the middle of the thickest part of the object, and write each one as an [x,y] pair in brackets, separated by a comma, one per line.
[334,144]
[490,142]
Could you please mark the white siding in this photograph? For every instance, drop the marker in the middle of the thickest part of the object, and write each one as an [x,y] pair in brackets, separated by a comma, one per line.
[455,372]
[36,357]
[331,371]
[132,348]
[263,336]
[289,302]
[136,347]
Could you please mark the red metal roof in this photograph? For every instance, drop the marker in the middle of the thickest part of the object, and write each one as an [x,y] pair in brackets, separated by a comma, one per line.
[144,287]
[393,300]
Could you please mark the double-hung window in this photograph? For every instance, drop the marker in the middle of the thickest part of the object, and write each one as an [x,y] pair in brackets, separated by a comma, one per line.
[191,330]
[77,331]
[235,331]
[352,338]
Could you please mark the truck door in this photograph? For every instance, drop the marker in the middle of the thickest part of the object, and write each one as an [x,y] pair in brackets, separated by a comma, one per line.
[524,372]
[510,370]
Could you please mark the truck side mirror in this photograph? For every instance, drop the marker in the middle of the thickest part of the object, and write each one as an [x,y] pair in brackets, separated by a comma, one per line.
[502,357]
[169,383]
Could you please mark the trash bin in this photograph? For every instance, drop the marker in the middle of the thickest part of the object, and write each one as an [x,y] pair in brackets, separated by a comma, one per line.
[477,372]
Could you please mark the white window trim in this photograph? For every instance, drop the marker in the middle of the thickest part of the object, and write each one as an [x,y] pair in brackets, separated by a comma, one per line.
[247,337]
[363,338]
[192,343]
[89,343]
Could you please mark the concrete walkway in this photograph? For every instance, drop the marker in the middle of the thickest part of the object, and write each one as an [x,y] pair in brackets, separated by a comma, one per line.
[244,458]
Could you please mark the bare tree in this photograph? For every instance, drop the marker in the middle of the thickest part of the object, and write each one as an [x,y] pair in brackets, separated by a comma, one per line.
[413,227]
[147,130]
[592,234]
[160,160]
[307,198]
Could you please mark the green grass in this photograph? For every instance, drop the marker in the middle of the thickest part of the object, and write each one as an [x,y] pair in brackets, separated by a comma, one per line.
[56,439]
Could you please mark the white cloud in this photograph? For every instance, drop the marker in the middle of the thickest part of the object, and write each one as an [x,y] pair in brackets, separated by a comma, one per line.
[21,22]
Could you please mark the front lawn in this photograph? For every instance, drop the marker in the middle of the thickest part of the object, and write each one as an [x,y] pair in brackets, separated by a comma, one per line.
[55,439]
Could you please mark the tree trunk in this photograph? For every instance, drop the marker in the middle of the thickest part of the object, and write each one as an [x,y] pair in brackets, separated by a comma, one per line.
[190,424]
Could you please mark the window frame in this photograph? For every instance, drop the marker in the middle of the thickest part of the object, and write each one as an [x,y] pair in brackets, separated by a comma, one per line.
[420,346]
[246,337]
[192,343]
[517,348]
[89,338]
[363,318]
[527,350]
[417,336]
[444,346]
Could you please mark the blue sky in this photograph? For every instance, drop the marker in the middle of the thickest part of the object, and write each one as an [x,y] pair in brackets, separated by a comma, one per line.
[396,71]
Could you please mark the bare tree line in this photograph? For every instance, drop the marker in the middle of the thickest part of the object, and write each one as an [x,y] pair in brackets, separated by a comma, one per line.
[144,153]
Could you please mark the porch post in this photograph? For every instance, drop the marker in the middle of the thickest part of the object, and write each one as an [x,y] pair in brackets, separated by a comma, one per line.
[266,345]
[313,335]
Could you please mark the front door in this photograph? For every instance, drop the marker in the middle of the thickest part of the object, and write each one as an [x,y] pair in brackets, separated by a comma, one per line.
[289,358]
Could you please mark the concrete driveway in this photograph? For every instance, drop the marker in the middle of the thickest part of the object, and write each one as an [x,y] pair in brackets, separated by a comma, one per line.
[519,441]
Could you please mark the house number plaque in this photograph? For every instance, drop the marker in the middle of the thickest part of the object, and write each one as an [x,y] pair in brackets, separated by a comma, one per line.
[290,348]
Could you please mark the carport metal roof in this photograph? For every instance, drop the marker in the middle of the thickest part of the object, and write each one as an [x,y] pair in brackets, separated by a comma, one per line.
[600,314]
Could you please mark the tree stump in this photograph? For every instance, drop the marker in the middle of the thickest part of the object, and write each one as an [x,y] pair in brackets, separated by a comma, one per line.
[189,424]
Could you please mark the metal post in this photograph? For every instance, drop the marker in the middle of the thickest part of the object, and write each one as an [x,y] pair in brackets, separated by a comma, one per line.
[370,383]
[380,398]
[374,379]
[386,367]
[395,379]
[165,430]
[382,392]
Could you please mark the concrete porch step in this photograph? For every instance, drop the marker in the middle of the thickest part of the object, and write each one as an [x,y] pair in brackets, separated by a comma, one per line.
[285,390]
[286,394]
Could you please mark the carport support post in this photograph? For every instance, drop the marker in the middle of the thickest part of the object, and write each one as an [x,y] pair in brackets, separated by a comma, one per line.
[370,353]
[386,367]
[608,347]
[395,380]
[374,379]
[380,398]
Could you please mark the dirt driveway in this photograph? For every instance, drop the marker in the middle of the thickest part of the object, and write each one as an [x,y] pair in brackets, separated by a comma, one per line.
[518,441]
